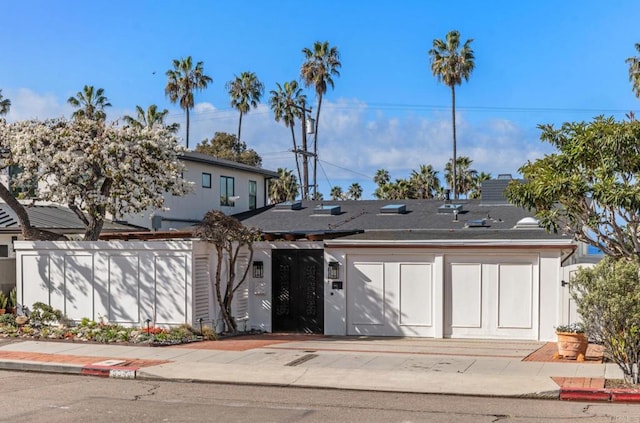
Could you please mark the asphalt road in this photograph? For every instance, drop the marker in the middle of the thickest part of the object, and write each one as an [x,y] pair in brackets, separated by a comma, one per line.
[34,397]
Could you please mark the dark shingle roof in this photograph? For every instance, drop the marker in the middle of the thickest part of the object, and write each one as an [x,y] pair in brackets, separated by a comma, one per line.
[423,219]
[55,218]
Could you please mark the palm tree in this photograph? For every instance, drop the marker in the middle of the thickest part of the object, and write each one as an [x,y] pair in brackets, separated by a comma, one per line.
[634,71]
[336,193]
[320,66]
[182,81]
[451,64]
[5,105]
[287,103]
[476,186]
[355,191]
[382,177]
[90,103]
[463,173]
[245,92]
[150,118]
[425,182]
[285,188]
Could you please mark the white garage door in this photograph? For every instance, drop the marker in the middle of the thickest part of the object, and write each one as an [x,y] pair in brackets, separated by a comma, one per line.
[491,299]
[389,298]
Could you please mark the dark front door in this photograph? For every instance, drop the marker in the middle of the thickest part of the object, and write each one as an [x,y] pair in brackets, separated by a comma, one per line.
[298,291]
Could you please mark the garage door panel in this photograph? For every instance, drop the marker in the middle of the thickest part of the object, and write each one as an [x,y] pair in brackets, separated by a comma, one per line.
[515,291]
[416,294]
[366,294]
[466,295]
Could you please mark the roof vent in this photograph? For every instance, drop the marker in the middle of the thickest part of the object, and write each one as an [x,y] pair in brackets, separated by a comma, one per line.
[327,209]
[289,205]
[450,208]
[528,223]
[393,209]
[476,223]
[506,176]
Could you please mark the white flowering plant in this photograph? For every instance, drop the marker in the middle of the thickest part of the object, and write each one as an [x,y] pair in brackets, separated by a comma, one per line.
[95,168]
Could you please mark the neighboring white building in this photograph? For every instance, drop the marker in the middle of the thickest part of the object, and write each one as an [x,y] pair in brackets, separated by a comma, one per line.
[218,184]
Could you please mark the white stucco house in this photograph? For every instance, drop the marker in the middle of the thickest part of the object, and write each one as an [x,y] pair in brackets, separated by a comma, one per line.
[427,268]
[218,184]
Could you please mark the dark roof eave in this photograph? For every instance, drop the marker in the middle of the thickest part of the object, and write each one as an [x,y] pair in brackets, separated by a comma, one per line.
[193,156]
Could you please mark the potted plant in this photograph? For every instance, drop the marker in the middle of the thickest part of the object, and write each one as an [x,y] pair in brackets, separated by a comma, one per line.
[572,341]
[3,302]
[12,307]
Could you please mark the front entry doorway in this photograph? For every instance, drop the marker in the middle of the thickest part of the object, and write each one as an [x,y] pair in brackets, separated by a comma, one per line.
[298,291]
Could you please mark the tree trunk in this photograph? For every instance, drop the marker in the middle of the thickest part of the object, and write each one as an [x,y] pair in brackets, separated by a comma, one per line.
[239,126]
[28,232]
[187,127]
[453,120]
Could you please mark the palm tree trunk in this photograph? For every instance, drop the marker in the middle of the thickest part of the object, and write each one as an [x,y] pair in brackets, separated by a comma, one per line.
[187,128]
[239,126]
[295,152]
[453,120]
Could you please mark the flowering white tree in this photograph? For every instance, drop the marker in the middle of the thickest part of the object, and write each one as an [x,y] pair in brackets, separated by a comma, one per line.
[96,168]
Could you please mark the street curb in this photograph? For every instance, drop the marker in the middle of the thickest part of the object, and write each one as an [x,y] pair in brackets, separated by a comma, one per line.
[606,395]
[116,372]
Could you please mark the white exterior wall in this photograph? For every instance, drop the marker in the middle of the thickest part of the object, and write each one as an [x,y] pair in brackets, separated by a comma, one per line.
[122,282]
[498,293]
[195,205]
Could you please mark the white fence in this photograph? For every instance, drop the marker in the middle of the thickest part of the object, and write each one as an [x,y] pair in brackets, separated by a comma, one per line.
[121,282]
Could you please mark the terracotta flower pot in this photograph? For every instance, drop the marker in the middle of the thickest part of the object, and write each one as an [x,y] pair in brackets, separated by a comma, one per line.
[572,345]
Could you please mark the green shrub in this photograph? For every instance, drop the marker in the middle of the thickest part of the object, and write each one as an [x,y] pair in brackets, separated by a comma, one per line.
[608,299]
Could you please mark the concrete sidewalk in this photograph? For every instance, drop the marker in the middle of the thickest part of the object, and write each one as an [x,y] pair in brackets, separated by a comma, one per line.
[440,366]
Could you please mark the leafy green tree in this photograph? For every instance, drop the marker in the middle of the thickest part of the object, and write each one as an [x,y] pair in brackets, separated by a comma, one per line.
[226,146]
[634,71]
[608,299]
[90,103]
[229,237]
[355,191]
[424,182]
[285,188]
[245,92]
[150,118]
[589,187]
[336,193]
[5,105]
[451,63]
[182,81]
[288,103]
[322,63]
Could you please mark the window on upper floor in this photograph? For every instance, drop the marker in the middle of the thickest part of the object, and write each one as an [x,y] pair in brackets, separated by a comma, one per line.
[227,191]
[253,195]
[206,180]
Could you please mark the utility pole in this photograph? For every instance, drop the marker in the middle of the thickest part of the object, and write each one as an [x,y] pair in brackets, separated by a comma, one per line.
[304,152]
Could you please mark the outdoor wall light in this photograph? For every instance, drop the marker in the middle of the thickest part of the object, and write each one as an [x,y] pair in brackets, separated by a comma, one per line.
[334,267]
[258,269]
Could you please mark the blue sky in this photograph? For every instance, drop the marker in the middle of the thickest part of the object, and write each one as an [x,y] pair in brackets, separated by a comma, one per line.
[536,62]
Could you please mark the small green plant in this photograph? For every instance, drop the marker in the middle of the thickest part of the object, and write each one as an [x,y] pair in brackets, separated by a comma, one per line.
[13,298]
[43,314]
[575,327]
[3,300]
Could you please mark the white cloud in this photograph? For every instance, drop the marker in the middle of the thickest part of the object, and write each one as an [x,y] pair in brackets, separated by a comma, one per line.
[354,140]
